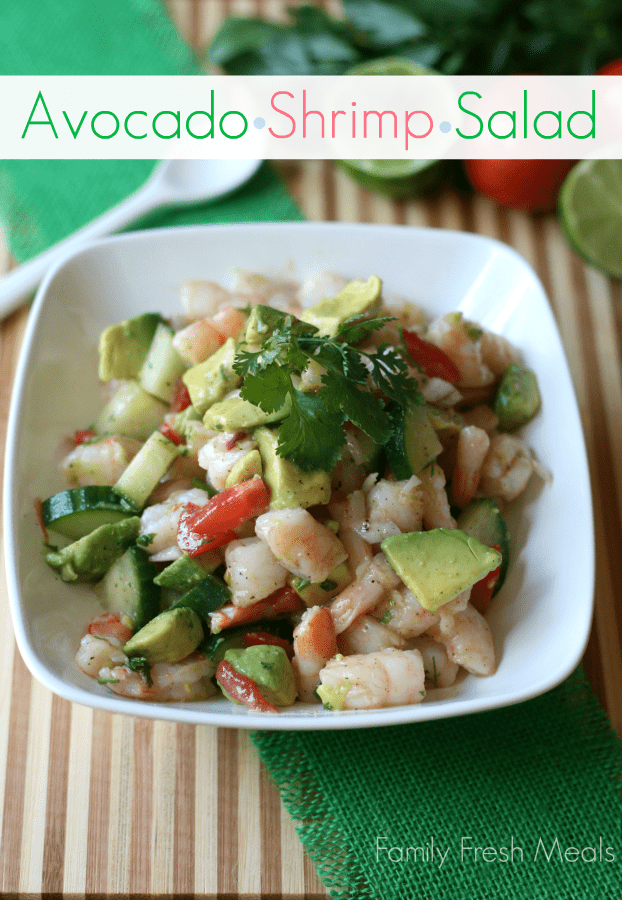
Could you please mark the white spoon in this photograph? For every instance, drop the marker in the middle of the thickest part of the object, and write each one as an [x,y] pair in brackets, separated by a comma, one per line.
[173,182]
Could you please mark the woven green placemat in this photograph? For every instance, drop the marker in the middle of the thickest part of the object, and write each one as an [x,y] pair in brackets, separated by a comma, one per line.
[42,201]
[396,813]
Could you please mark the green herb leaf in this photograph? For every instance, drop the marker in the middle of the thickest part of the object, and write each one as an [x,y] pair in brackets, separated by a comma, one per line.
[144,540]
[140,664]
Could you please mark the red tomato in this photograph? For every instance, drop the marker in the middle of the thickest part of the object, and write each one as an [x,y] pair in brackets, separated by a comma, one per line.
[254,638]
[481,592]
[612,68]
[242,689]
[79,437]
[203,528]
[181,400]
[434,362]
[171,434]
[530,184]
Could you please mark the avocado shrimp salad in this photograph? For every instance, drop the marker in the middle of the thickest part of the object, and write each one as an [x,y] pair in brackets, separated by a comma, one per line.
[294,491]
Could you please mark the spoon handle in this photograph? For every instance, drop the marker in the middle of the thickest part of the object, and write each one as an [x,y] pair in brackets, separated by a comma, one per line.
[18,284]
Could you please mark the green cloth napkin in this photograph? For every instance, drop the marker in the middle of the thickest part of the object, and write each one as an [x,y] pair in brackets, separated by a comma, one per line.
[42,201]
[530,782]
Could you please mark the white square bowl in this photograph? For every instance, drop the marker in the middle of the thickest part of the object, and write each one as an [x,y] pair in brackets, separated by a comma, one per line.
[540,620]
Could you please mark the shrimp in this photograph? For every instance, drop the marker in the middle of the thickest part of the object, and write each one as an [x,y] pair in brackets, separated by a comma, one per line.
[402,613]
[188,679]
[461,341]
[229,322]
[314,644]
[100,462]
[302,545]
[507,468]
[317,287]
[482,417]
[102,644]
[221,453]
[253,571]
[202,298]
[363,594]
[392,507]
[368,635]
[359,552]
[160,522]
[283,601]
[374,680]
[468,641]
[497,352]
[473,444]
[440,670]
[198,341]
[440,392]
[436,512]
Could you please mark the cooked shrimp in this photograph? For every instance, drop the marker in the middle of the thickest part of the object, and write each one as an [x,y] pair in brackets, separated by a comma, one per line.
[283,601]
[507,468]
[440,392]
[102,644]
[359,552]
[304,546]
[461,341]
[368,635]
[402,613]
[221,453]
[202,298]
[317,287]
[436,512]
[392,507]
[440,670]
[278,293]
[229,322]
[185,680]
[160,521]
[473,444]
[364,593]
[314,645]
[102,462]
[468,641]
[253,571]
[374,680]
[482,417]
[198,341]
[497,352]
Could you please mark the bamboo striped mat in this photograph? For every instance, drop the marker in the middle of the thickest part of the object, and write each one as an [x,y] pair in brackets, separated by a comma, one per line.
[97,804]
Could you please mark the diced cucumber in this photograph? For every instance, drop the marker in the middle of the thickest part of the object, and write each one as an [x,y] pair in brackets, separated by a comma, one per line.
[517,399]
[163,366]
[79,511]
[128,587]
[131,412]
[206,597]
[482,519]
[186,572]
[151,462]
[413,444]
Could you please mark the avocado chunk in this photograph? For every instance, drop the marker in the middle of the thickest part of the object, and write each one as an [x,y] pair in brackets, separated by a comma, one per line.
[245,468]
[289,486]
[211,380]
[236,414]
[438,565]
[89,558]
[333,697]
[319,594]
[358,298]
[261,323]
[171,636]
[518,398]
[270,669]
[123,348]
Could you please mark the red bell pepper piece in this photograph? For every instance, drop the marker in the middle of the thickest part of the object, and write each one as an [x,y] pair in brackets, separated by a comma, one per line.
[482,590]
[181,398]
[80,437]
[242,689]
[254,638]
[434,361]
[171,434]
[223,513]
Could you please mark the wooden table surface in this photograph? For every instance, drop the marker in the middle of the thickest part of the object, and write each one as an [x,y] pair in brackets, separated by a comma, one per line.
[92,803]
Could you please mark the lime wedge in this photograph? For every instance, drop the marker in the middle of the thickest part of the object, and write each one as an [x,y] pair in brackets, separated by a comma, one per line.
[394,177]
[590,209]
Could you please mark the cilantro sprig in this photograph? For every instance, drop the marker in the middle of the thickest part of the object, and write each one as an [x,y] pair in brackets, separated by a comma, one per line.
[355,386]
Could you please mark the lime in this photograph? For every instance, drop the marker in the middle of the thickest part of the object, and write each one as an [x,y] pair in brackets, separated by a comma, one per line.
[590,209]
[393,177]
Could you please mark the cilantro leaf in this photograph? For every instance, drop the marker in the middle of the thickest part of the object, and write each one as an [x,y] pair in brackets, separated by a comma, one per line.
[267,390]
[311,435]
[354,330]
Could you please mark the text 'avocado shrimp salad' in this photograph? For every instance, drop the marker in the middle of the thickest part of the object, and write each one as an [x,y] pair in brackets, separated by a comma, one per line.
[294,492]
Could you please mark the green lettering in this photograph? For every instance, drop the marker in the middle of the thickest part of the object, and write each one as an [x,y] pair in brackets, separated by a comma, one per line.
[104,112]
[176,116]
[591,116]
[32,121]
[77,131]
[470,137]
[209,133]
[557,116]
[511,133]
[135,112]
[233,112]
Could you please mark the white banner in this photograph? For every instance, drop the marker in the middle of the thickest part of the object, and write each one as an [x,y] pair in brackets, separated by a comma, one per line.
[314,117]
